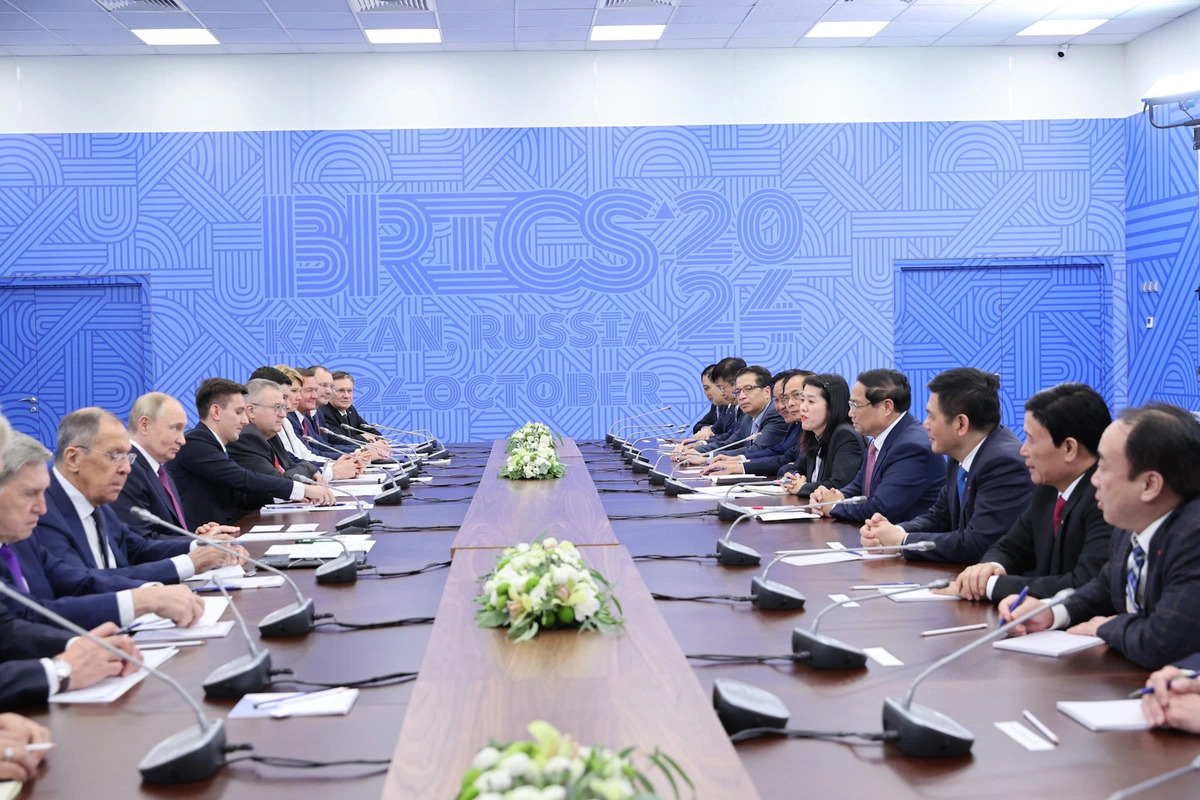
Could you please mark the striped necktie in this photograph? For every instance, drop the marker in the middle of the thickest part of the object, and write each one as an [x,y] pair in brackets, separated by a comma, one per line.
[1133,579]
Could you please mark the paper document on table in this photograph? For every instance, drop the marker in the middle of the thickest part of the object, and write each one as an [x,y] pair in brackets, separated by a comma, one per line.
[113,687]
[265,528]
[214,607]
[783,515]
[916,595]
[320,549]
[232,571]
[371,477]
[1023,736]
[768,490]
[280,536]
[363,490]
[217,630]
[295,704]
[1106,715]
[304,508]
[1048,643]
[712,498]
[300,527]
[822,558]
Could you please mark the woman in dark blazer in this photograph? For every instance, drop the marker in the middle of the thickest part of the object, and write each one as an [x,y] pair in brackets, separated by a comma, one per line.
[831,451]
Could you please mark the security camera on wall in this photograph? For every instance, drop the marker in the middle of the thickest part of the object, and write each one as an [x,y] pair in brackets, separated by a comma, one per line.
[1062,50]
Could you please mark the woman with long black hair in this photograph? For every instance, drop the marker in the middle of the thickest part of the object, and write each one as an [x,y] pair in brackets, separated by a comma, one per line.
[831,451]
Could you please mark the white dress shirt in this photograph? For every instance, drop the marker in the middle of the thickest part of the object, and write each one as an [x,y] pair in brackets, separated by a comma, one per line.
[1065,495]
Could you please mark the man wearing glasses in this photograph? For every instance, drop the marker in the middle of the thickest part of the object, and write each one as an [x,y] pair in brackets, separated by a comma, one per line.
[901,475]
[92,463]
[341,416]
[259,447]
[752,393]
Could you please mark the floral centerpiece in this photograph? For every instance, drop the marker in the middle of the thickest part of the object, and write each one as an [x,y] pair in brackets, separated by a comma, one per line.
[545,585]
[532,453]
[553,766]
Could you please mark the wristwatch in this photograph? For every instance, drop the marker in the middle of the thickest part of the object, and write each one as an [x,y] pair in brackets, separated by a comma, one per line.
[62,669]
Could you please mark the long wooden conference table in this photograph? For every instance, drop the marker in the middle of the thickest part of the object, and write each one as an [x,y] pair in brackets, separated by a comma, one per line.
[630,689]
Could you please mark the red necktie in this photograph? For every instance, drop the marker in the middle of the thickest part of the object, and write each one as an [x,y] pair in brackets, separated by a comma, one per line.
[304,426]
[162,477]
[278,466]
[871,453]
[1058,509]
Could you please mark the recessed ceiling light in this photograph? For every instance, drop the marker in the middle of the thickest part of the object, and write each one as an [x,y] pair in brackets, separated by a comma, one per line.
[845,30]
[627,33]
[163,37]
[1061,27]
[404,35]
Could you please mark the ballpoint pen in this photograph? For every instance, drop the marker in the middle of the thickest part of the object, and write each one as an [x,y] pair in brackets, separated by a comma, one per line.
[1015,604]
[1191,674]
[303,697]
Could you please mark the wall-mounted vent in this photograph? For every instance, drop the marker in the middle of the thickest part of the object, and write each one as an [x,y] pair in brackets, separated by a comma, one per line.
[140,5]
[363,6]
[636,3]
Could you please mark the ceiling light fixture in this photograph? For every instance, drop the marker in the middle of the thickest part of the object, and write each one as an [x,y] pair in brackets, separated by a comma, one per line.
[404,35]
[1061,27]
[845,30]
[172,37]
[626,33]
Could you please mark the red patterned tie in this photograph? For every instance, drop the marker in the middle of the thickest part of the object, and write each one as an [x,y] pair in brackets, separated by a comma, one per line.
[1058,509]
[166,483]
[871,453]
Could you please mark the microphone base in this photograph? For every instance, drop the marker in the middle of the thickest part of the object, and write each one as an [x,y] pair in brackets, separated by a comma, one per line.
[294,619]
[728,513]
[674,488]
[390,497]
[355,523]
[188,756]
[824,652]
[250,673]
[924,732]
[343,569]
[657,478]
[640,467]
[773,596]
[741,706]
[608,439]
[401,481]
[732,554]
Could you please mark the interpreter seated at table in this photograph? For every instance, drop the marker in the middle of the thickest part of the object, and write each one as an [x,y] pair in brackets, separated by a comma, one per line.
[831,451]
[987,484]
[900,477]
[1061,540]
[1145,602]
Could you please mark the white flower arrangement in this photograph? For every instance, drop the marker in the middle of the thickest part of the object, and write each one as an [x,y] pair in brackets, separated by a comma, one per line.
[532,454]
[553,766]
[545,585]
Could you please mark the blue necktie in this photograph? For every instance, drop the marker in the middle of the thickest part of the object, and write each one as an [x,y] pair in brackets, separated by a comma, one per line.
[1135,576]
[962,487]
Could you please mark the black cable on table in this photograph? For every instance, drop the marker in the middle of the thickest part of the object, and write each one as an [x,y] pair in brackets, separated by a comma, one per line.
[375,682]
[330,619]
[661,557]
[372,571]
[705,598]
[832,736]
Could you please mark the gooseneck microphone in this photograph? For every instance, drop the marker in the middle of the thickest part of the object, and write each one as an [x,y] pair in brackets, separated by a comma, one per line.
[359,521]
[825,652]
[735,554]
[610,438]
[293,619]
[319,443]
[1156,781]
[245,674]
[193,754]
[921,731]
[344,568]
[675,487]
[915,547]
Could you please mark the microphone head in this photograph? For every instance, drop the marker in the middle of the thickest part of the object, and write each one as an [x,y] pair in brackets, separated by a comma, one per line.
[941,583]
[860,498]
[925,546]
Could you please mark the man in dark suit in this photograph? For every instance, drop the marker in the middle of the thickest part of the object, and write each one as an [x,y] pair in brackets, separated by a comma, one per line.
[710,416]
[901,476]
[209,481]
[728,415]
[306,421]
[88,597]
[752,392]
[766,461]
[156,427]
[341,415]
[1061,540]
[258,447]
[1145,602]
[987,484]
[91,466]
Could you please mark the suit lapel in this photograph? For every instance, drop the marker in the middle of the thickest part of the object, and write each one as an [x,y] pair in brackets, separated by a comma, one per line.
[74,525]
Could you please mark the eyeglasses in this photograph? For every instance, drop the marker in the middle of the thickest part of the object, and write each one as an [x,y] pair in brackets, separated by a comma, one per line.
[344,391]
[279,408]
[324,385]
[855,406]
[794,397]
[115,458]
[740,392]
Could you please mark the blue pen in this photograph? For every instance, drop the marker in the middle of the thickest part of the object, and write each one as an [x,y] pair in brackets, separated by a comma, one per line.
[1187,673]
[1015,603]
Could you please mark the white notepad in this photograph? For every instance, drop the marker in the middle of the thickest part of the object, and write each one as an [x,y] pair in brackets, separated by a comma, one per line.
[232,571]
[280,536]
[898,595]
[1048,643]
[322,704]
[112,688]
[153,628]
[787,516]
[1106,715]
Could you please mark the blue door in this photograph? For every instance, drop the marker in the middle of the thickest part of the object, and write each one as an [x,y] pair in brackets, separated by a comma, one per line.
[1033,324]
[65,345]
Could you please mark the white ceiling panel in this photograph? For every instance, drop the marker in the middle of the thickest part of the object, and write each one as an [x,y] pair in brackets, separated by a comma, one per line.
[699,31]
[900,41]
[569,34]
[736,43]
[709,15]
[687,44]
[455,19]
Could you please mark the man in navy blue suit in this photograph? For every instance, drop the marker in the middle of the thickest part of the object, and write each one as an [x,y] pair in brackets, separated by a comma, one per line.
[1145,602]
[212,483]
[88,597]
[156,425]
[987,483]
[769,461]
[307,423]
[728,415]
[39,660]
[91,466]
[901,476]
[258,447]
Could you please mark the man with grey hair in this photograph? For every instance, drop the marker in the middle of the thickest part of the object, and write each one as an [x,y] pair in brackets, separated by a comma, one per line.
[156,425]
[91,465]
[88,597]
[259,447]
[39,660]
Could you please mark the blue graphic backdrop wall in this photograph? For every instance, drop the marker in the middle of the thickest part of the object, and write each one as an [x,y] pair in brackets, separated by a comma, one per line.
[474,279]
